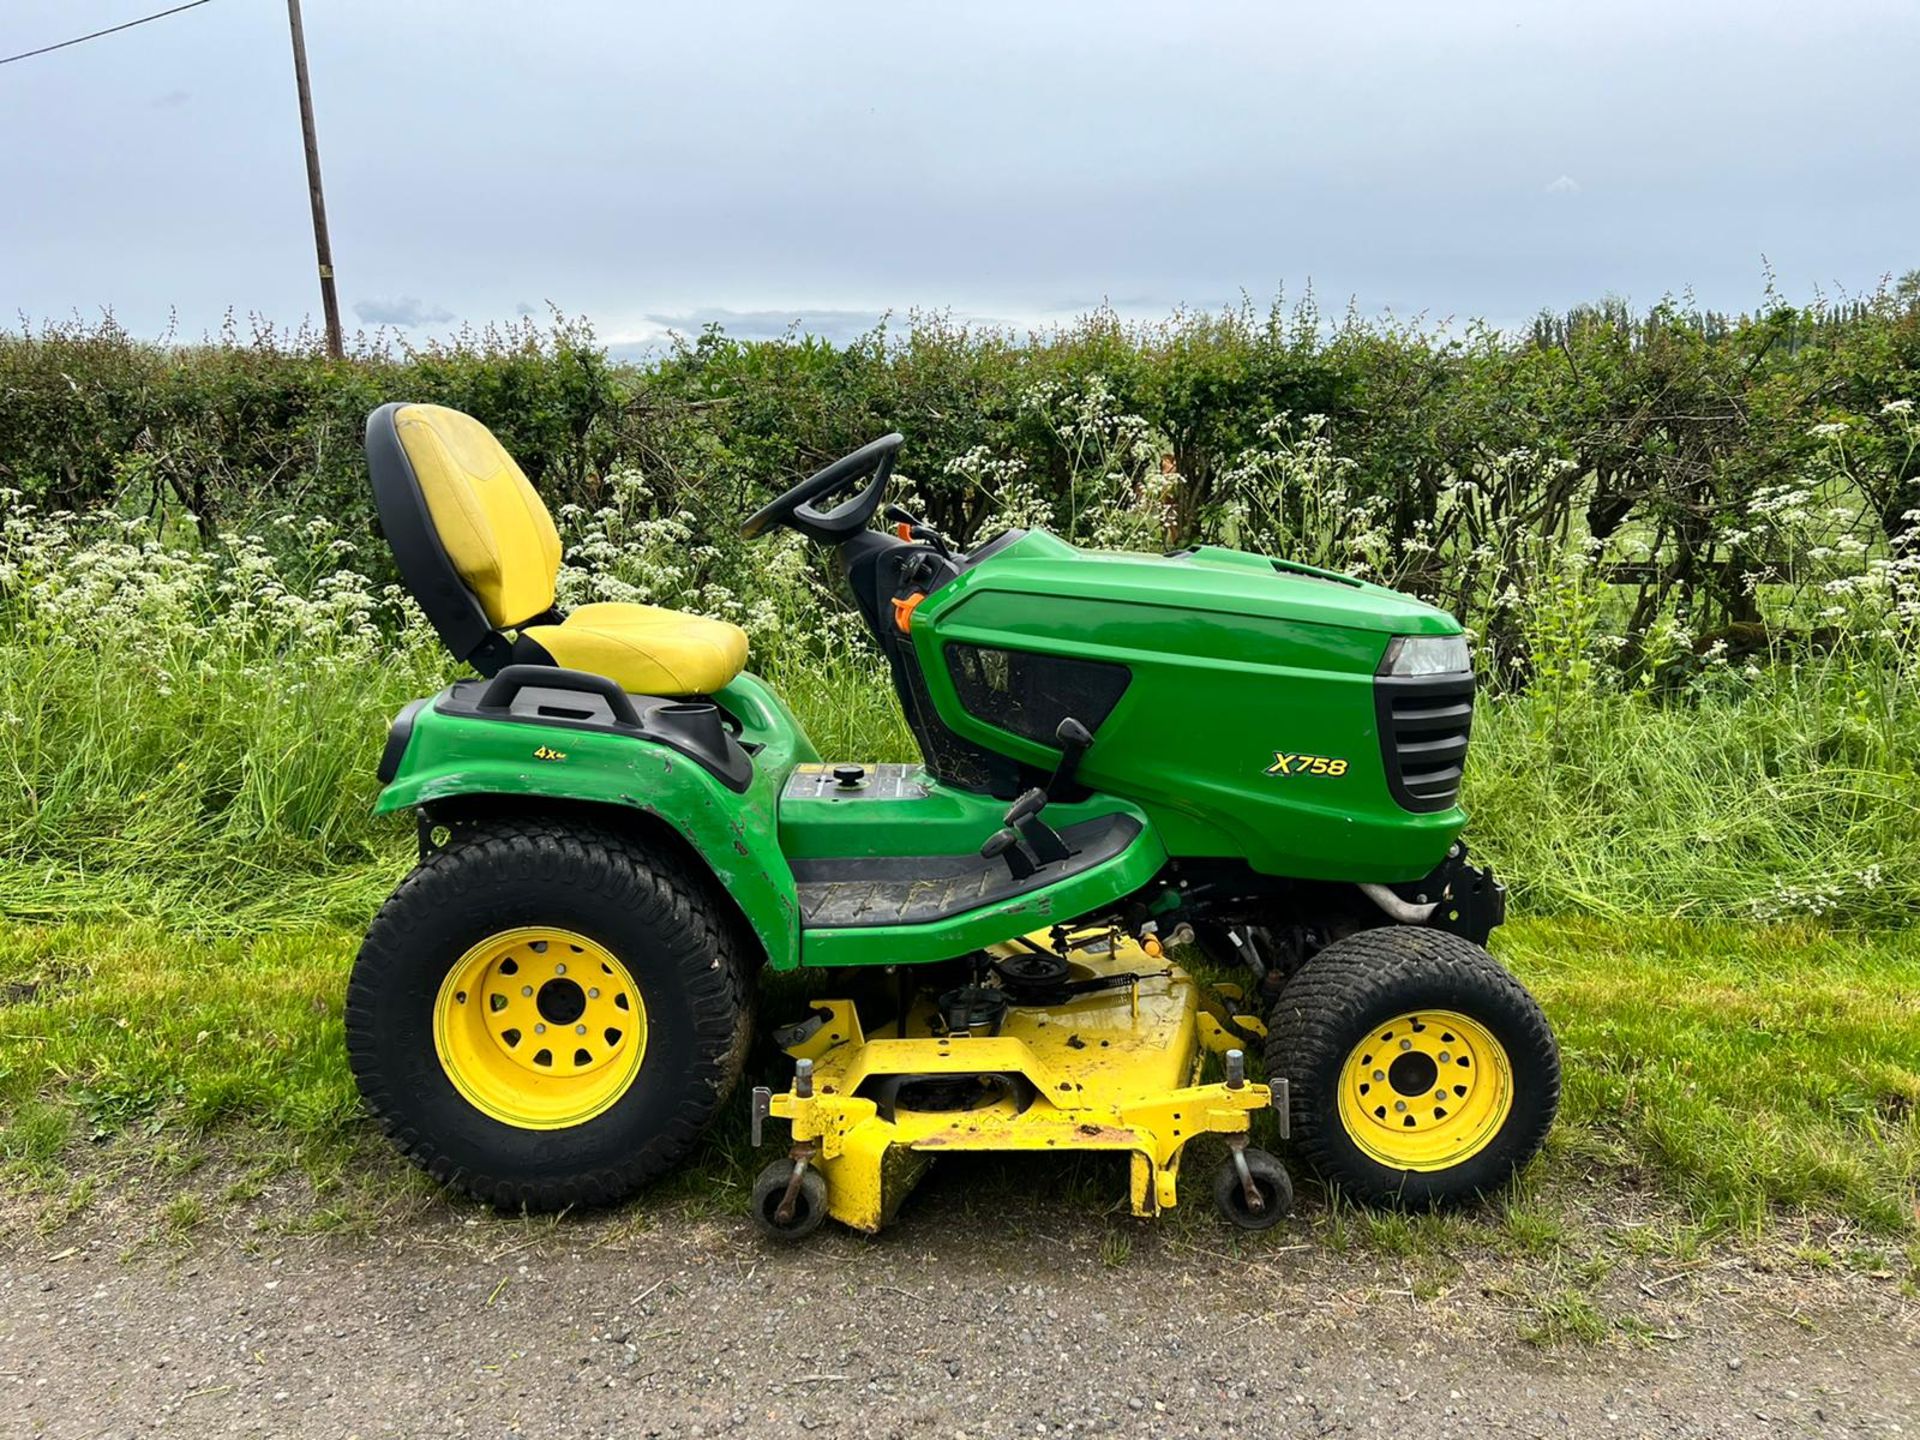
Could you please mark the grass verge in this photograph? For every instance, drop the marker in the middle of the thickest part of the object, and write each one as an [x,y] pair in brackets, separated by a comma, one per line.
[1740,1070]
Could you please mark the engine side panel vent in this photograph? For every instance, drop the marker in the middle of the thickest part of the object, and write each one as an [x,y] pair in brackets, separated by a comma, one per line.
[1029,694]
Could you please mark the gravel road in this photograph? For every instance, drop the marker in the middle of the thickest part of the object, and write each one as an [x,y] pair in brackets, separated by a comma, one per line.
[957,1323]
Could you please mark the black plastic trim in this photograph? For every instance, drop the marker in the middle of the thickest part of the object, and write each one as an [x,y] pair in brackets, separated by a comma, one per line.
[1425,723]
[454,610]
[506,686]
[575,700]
[399,736]
[875,566]
[950,758]
[1315,572]
[860,892]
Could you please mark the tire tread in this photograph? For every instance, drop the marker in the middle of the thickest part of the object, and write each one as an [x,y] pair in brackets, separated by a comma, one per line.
[1312,1028]
[659,891]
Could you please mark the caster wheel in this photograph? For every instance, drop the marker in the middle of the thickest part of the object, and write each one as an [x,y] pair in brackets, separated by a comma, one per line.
[809,1205]
[1270,1182]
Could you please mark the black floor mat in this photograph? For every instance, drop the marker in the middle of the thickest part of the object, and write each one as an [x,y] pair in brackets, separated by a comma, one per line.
[911,890]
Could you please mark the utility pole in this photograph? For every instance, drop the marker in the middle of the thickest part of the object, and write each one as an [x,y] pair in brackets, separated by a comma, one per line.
[322,247]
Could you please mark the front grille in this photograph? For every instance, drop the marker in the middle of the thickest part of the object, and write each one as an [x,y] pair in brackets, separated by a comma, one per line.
[1424,724]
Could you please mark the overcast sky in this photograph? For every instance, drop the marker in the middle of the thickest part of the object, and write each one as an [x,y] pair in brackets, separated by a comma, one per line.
[655,166]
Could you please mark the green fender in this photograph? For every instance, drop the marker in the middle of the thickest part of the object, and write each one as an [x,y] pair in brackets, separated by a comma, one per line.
[737,835]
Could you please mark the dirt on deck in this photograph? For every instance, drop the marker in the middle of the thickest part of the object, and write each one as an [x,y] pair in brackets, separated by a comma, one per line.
[963,1321]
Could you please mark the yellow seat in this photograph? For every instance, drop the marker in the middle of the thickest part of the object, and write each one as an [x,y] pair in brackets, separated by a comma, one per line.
[481,555]
[644,648]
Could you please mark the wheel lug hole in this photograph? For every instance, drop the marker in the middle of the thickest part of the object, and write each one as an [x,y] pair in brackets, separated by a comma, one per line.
[581,1030]
[560,969]
[541,1030]
[526,990]
[594,994]
[1400,1105]
[1379,1075]
[1406,1044]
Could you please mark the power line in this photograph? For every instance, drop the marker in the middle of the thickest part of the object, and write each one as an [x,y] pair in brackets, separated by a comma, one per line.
[110,30]
[323,249]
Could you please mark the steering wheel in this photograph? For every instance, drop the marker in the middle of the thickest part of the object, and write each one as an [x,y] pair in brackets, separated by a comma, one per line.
[873,460]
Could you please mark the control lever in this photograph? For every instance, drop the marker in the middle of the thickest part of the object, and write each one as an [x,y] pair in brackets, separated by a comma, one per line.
[911,527]
[1023,820]
[1074,740]
[1024,815]
[1027,806]
[1006,845]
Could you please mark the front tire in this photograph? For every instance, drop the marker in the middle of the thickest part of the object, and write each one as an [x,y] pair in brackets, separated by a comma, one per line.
[1419,1071]
[548,1013]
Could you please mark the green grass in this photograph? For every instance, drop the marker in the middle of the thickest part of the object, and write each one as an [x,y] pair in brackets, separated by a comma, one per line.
[1791,794]
[1744,1067]
[1567,1315]
[140,775]
[1742,1070]
[846,705]
[1797,796]
[197,783]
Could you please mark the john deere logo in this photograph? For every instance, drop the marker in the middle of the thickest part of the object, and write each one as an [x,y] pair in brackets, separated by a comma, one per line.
[543,753]
[1306,765]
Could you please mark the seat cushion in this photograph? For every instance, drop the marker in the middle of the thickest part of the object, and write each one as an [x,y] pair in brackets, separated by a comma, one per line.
[491,524]
[642,648]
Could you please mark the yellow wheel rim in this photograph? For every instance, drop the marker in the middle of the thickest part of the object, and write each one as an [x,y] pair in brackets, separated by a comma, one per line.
[540,1028]
[1426,1091]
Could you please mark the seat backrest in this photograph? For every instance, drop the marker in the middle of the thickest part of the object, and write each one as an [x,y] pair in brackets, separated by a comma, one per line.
[472,540]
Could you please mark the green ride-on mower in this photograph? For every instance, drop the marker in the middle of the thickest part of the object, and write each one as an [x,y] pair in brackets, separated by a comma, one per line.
[620,828]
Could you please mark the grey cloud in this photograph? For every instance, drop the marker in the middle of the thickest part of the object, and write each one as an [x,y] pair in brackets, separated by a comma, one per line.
[836,325]
[404,311]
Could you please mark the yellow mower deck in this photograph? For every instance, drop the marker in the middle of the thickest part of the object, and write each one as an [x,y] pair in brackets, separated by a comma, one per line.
[1115,1069]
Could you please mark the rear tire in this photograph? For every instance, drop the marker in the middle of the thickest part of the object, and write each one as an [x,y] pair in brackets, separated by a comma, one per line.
[1419,1071]
[472,1112]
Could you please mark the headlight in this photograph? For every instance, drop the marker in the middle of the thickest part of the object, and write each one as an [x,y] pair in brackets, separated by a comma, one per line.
[1425,655]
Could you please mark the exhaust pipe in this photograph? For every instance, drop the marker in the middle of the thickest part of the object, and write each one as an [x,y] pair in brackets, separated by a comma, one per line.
[1404,912]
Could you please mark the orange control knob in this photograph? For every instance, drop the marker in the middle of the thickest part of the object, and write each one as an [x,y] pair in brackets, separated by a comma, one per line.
[903,608]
